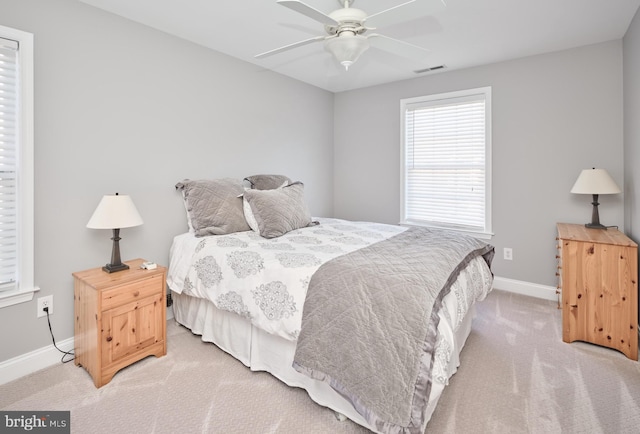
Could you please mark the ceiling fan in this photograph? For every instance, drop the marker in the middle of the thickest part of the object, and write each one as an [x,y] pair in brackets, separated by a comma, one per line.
[346,28]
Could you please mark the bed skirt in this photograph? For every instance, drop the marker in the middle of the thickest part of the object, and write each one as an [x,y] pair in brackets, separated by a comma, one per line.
[261,351]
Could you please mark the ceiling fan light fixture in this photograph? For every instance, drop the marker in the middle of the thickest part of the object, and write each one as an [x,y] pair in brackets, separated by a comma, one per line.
[347,48]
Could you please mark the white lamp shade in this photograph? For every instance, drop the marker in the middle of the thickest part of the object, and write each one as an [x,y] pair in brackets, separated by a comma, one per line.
[595,181]
[115,211]
[347,48]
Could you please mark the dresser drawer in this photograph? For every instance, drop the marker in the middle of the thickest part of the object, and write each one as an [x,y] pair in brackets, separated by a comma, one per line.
[124,294]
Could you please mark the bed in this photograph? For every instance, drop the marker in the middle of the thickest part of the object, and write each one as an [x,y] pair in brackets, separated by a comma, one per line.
[328,305]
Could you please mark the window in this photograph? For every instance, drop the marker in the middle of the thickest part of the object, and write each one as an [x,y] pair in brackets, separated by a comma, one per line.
[16,167]
[446,161]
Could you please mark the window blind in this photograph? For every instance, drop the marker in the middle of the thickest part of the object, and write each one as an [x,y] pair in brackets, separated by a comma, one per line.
[8,163]
[445,167]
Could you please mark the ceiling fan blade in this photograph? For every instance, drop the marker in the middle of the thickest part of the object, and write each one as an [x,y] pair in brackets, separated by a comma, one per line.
[398,14]
[386,17]
[309,11]
[396,46]
[289,47]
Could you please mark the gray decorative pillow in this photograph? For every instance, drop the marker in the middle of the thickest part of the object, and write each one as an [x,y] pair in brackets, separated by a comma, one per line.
[278,211]
[267,182]
[213,206]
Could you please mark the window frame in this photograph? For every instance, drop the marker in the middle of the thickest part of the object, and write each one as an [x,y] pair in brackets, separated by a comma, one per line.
[25,185]
[446,97]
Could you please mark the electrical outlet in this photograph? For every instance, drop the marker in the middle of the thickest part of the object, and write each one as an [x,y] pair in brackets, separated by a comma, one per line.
[508,253]
[45,302]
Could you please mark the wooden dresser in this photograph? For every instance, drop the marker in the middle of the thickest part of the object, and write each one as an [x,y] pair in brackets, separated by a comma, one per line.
[120,318]
[598,273]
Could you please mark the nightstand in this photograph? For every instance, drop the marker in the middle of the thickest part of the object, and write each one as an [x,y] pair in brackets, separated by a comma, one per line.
[598,270]
[120,318]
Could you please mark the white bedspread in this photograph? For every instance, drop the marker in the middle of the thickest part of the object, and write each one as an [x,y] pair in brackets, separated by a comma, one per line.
[188,274]
[265,280]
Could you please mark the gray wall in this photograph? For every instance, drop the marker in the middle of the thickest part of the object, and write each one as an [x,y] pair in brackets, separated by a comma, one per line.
[553,115]
[631,43]
[120,107]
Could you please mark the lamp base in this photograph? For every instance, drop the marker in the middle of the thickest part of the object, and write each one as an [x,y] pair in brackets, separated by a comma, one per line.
[116,263]
[595,226]
[112,268]
[595,217]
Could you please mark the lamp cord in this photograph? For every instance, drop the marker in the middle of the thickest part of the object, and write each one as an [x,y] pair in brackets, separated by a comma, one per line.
[64,353]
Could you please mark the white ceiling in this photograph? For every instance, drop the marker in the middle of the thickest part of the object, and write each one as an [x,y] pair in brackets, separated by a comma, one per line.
[461,34]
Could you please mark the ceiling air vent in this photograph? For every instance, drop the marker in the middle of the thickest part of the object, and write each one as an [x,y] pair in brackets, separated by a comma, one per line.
[433,68]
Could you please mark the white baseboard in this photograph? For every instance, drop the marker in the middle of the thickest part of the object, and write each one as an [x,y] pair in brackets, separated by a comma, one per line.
[41,358]
[36,360]
[525,288]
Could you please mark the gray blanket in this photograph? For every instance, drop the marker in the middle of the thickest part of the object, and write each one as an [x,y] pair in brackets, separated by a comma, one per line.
[370,319]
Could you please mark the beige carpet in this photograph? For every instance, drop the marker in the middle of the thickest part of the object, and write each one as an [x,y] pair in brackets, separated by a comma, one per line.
[517,376]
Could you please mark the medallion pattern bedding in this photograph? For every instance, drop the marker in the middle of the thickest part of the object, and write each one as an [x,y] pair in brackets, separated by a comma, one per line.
[266,280]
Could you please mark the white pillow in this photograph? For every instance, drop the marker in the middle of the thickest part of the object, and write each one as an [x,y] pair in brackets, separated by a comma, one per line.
[184,200]
[248,215]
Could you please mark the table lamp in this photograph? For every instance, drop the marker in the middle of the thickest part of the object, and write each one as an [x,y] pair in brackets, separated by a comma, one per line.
[595,182]
[115,212]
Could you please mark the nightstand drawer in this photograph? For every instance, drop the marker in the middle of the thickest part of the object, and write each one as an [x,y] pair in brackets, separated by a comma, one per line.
[124,294]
